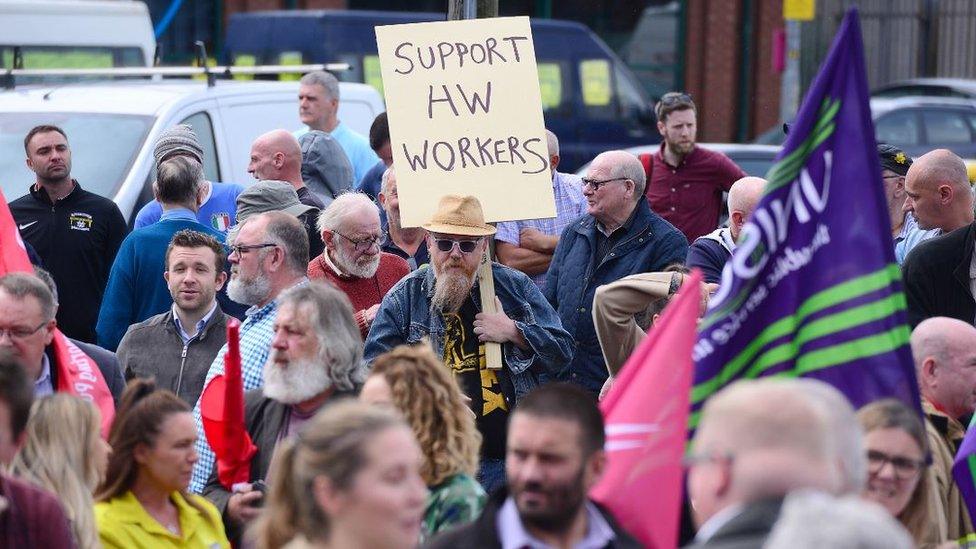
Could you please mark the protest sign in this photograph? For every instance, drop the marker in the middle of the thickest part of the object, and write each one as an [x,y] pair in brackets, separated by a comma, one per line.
[465,116]
[812,288]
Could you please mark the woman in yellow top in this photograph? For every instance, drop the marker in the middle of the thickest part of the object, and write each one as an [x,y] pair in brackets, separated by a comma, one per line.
[143,501]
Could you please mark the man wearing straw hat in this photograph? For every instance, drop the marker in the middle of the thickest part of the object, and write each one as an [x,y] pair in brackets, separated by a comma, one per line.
[440,303]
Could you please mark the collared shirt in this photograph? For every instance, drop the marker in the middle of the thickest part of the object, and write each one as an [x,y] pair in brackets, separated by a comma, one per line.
[420,257]
[717,521]
[256,334]
[689,195]
[182,214]
[606,239]
[44,385]
[513,534]
[911,235]
[328,261]
[200,323]
[570,205]
[124,522]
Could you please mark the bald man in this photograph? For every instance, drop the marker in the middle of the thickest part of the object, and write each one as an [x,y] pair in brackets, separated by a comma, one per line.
[944,350]
[618,236]
[938,196]
[277,156]
[757,441]
[710,252]
[940,273]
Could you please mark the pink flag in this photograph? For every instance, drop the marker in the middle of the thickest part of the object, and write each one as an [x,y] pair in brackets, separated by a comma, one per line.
[646,414]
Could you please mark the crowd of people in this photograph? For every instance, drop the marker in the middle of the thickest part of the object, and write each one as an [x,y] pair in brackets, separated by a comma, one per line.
[375,416]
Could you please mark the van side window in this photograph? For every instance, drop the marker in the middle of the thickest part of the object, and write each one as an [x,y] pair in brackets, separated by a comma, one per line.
[372,74]
[597,89]
[554,88]
[200,122]
[290,58]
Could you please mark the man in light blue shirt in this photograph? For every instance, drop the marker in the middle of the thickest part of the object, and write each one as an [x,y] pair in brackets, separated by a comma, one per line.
[528,245]
[318,109]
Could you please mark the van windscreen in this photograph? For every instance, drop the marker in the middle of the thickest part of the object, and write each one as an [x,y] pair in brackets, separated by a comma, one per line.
[103,148]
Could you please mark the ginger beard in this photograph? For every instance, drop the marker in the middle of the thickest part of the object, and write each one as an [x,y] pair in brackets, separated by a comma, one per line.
[453,281]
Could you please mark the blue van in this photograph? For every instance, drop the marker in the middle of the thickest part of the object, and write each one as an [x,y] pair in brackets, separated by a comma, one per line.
[591,100]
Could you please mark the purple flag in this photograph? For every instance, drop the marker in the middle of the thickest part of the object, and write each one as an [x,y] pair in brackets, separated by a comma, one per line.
[964,470]
[813,288]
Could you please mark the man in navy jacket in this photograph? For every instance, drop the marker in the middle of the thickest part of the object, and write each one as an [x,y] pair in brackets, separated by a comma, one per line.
[618,236]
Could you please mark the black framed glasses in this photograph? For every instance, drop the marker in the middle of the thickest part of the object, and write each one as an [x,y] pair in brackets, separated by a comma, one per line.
[595,184]
[904,467]
[21,333]
[244,248]
[363,244]
[447,244]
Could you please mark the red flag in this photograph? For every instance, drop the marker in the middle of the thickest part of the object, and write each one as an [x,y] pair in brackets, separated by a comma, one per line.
[646,415]
[222,412]
[76,372]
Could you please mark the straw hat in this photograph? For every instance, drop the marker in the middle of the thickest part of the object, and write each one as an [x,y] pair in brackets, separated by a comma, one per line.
[461,215]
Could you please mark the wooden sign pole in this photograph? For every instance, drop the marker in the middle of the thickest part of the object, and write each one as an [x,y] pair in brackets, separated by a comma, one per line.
[486,283]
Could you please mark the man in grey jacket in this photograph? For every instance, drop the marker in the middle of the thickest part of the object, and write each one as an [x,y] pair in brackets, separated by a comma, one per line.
[178,346]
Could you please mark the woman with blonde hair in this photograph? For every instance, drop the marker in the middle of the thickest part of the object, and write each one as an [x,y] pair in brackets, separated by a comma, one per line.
[897,452]
[64,454]
[349,480]
[415,382]
[143,501]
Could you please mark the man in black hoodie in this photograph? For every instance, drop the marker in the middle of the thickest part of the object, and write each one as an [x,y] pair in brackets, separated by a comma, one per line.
[76,233]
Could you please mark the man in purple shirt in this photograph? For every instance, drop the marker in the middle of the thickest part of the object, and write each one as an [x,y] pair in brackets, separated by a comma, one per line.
[554,456]
[528,245]
[685,182]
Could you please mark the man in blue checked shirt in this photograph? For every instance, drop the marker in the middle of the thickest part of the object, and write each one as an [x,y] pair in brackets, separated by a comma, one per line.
[269,255]
[528,245]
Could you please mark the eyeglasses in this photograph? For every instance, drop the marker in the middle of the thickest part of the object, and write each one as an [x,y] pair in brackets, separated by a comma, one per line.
[671,99]
[365,243]
[17,334]
[244,248]
[905,468]
[595,185]
[447,244]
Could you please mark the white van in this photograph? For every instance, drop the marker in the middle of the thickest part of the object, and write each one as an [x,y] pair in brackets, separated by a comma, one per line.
[76,33]
[112,127]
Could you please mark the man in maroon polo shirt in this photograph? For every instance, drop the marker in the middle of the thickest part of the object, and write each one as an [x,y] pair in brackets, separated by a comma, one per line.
[685,182]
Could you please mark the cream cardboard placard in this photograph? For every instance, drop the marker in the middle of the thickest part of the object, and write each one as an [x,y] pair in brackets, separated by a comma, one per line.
[465,117]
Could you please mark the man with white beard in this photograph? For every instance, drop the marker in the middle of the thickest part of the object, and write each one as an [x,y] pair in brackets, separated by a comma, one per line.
[353,260]
[269,254]
[440,303]
[316,357]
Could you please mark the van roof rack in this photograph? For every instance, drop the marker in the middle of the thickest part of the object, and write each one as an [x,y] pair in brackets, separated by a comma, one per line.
[8,80]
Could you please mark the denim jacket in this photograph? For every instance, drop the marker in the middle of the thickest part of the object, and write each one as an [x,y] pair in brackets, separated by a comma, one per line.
[649,245]
[404,317]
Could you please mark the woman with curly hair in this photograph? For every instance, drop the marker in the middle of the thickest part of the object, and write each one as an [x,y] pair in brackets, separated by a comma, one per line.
[416,383]
[65,455]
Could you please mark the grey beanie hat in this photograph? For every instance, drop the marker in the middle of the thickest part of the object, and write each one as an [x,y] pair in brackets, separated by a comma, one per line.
[269,195]
[178,139]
